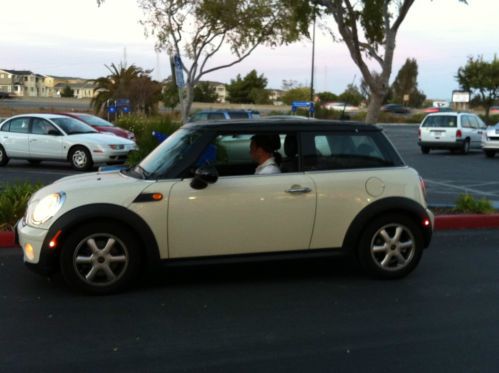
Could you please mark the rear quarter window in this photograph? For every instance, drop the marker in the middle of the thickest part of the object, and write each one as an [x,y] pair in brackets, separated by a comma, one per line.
[340,151]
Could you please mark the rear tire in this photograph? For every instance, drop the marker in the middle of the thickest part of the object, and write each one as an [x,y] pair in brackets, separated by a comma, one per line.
[100,258]
[425,150]
[4,159]
[490,153]
[391,246]
[80,158]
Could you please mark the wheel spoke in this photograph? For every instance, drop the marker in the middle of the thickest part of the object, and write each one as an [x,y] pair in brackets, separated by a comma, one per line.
[385,236]
[401,259]
[398,234]
[91,274]
[406,244]
[380,249]
[109,273]
[109,245]
[83,259]
[386,260]
[93,245]
[117,259]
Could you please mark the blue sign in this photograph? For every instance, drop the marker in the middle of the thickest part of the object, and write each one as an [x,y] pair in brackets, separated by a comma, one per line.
[179,71]
[304,104]
[111,109]
[122,102]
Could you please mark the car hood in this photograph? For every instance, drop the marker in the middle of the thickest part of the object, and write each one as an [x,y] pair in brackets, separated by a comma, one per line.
[100,138]
[115,130]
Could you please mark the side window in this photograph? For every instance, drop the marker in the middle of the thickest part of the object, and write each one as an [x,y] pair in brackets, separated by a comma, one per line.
[19,125]
[481,124]
[212,116]
[238,115]
[41,126]
[230,153]
[337,151]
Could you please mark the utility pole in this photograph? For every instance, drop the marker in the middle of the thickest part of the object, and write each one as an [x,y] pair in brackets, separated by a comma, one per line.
[313,62]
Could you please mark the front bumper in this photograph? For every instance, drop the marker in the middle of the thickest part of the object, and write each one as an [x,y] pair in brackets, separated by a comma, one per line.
[113,156]
[38,258]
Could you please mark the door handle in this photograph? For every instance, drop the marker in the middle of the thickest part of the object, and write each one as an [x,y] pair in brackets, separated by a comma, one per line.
[297,189]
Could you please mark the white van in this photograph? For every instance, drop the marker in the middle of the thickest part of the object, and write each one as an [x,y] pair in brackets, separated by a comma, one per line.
[451,130]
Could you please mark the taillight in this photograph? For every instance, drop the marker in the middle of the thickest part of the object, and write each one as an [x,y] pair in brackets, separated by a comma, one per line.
[459,134]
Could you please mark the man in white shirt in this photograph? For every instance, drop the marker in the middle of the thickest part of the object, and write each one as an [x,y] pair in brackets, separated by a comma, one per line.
[263,151]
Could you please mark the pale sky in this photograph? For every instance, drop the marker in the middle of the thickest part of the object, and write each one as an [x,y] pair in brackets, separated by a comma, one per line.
[77,38]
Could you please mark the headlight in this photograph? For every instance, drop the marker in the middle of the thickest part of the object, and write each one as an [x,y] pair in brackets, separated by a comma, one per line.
[41,211]
[117,147]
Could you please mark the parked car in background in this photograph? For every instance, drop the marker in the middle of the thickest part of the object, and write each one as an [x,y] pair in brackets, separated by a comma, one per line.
[4,95]
[433,109]
[490,141]
[454,131]
[342,189]
[44,137]
[223,115]
[102,125]
[340,106]
[395,108]
[494,110]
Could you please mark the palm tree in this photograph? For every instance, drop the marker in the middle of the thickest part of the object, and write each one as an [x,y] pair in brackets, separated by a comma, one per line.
[116,85]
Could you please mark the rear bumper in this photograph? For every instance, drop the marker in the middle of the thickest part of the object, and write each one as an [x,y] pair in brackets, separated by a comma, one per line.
[458,144]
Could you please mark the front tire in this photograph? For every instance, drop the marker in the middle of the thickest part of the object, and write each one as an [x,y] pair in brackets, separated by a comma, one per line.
[80,158]
[4,159]
[391,246]
[100,258]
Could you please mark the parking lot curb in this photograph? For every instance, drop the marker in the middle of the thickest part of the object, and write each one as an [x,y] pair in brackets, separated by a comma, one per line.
[7,240]
[466,221]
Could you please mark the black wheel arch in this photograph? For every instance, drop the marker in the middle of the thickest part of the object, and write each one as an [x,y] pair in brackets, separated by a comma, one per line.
[104,212]
[398,205]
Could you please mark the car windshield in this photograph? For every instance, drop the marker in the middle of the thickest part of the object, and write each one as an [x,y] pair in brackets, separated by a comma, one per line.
[170,152]
[93,120]
[72,126]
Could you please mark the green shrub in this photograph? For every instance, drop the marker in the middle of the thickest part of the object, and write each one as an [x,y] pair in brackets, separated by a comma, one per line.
[143,128]
[13,202]
[466,203]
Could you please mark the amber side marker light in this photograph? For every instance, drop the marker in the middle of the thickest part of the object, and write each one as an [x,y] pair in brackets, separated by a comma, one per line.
[157,196]
[53,241]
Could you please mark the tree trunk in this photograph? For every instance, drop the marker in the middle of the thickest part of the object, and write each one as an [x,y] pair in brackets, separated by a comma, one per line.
[374,107]
[186,103]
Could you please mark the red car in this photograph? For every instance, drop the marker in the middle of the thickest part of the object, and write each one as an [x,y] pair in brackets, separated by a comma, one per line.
[102,125]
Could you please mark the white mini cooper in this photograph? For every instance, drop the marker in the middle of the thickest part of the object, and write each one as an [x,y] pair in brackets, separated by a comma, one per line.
[342,188]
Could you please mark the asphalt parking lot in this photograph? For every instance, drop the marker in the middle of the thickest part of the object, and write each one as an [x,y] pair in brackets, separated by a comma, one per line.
[447,175]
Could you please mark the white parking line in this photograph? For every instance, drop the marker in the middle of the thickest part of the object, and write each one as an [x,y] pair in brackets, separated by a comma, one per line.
[461,188]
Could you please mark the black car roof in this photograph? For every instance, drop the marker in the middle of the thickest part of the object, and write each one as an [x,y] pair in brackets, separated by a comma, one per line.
[283,125]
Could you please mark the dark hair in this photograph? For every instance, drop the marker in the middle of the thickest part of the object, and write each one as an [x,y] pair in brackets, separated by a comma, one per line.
[269,143]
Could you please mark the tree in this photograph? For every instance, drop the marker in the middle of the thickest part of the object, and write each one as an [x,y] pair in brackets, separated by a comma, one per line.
[406,83]
[205,92]
[369,29]
[250,89]
[67,92]
[170,95]
[296,94]
[352,95]
[198,29]
[129,82]
[482,79]
[327,97]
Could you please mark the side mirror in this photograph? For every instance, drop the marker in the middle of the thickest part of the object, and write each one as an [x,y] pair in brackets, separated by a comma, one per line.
[203,176]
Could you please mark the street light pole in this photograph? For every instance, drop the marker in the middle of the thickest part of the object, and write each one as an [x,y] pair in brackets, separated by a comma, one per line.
[313,63]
